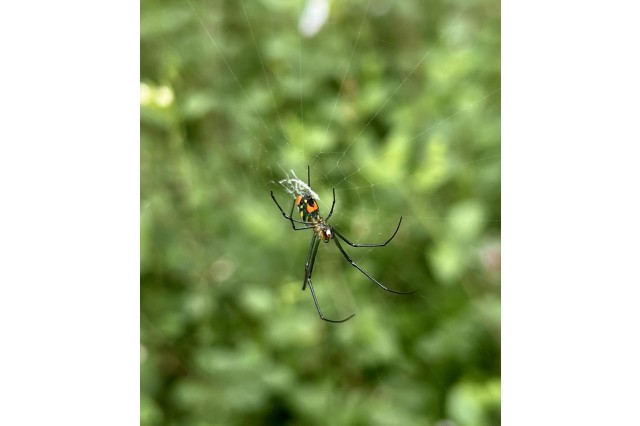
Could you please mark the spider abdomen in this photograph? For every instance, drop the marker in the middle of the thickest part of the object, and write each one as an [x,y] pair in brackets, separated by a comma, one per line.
[308,206]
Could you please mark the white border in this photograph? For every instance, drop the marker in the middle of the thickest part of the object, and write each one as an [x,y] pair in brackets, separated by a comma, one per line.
[571,222]
[69,213]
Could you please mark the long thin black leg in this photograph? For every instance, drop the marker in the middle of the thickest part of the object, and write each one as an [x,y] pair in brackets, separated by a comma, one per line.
[332,204]
[311,258]
[313,294]
[291,219]
[291,211]
[354,264]
[308,270]
[368,245]
[309,176]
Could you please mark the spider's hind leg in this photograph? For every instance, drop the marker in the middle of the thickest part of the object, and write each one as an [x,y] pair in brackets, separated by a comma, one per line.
[355,265]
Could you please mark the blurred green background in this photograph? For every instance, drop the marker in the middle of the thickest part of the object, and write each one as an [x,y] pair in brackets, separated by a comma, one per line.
[396,104]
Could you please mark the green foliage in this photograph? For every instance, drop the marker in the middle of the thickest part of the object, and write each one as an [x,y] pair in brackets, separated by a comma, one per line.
[407,123]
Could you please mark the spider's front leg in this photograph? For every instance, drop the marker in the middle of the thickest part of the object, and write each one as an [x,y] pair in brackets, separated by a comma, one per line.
[290,217]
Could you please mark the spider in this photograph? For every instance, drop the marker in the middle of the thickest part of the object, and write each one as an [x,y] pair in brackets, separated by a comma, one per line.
[322,231]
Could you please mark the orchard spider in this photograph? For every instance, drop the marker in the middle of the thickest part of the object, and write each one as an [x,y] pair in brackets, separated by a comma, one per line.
[310,219]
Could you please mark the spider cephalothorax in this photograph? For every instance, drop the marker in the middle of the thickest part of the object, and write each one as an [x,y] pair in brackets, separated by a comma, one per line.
[322,231]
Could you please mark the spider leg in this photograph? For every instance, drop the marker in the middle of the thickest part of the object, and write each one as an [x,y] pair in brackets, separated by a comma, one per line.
[354,264]
[308,270]
[332,204]
[313,294]
[311,258]
[290,218]
[368,245]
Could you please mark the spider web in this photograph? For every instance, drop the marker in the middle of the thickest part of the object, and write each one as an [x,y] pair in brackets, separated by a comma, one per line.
[422,148]
[380,147]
